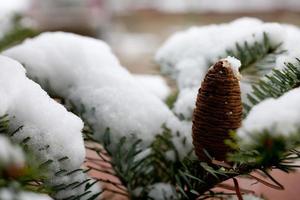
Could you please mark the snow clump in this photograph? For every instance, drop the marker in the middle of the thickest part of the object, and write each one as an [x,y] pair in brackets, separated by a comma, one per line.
[86,73]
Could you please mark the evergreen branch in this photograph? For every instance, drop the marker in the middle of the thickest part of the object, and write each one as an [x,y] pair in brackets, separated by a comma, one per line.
[193,178]
[35,175]
[275,84]
[171,99]
[260,53]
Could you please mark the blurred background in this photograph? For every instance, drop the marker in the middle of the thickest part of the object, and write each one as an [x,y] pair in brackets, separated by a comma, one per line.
[136,28]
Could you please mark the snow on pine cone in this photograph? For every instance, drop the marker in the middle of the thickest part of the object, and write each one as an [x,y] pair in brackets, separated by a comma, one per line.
[218,109]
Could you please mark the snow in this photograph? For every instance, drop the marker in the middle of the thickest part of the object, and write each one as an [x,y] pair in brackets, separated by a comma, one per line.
[161,191]
[85,72]
[124,110]
[53,131]
[201,46]
[9,194]
[278,116]
[291,44]
[187,55]
[59,60]
[182,136]
[10,155]
[184,106]
[234,64]
[154,84]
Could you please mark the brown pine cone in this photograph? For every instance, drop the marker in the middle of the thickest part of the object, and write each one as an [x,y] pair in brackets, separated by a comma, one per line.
[218,110]
[15,171]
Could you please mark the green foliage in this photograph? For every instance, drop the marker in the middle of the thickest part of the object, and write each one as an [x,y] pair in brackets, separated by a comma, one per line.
[172,99]
[275,84]
[264,150]
[133,164]
[139,167]
[255,57]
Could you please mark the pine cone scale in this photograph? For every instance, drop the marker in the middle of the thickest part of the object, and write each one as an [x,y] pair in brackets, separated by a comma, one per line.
[218,111]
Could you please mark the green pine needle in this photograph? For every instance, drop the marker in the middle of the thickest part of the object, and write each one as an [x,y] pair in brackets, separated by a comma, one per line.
[275,84]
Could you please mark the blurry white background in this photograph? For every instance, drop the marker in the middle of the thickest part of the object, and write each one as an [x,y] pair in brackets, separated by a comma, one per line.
[136,28]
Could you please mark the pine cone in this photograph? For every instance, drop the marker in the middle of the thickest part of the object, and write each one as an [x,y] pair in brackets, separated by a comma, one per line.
[15,171]
[218,110]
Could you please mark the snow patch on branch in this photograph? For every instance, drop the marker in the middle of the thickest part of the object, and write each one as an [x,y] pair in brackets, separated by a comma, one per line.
[204,45]
[42,119]
[278,116]
[9,194]
[154,84]
[85,72]
[53,132]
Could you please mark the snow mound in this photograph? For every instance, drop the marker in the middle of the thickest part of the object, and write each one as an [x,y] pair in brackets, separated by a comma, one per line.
[201,46]
[85,72]
[42,119]
[53,132]
[9,194]
[279,116]
[154,84]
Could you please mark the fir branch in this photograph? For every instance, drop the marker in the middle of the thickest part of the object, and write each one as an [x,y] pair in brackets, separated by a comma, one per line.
[275,84]
[260,53]
[171,99]
[193,178]
[35,175]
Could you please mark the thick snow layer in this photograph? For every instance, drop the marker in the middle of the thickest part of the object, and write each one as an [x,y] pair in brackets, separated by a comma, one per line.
[198,47]
[44,120]
[279,116]
[84,71]
[53,131]
[154,84]
[291,44]
[9,194]
[10,155]
[124,110]
[185,104]
[61,61]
